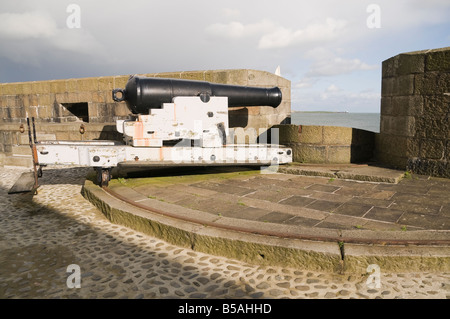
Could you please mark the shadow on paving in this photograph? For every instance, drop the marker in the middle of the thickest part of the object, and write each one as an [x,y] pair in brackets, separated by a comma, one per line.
[38,243]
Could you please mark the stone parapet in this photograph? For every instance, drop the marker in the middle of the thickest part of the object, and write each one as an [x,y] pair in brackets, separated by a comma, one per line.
[62,105]
[415,112]
[327,144]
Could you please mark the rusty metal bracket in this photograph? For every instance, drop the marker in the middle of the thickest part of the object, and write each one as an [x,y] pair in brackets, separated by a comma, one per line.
[32,141]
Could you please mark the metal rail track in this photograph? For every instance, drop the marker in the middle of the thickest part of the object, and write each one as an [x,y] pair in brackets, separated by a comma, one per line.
[337,239]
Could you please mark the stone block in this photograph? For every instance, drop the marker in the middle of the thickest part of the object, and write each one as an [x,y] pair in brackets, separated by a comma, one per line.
[404,85]
[121,109]
[407,105]
[238,77]
[311,134]
[120,82]
[62,97]
[387,87]
[255,110]
[19,100]
[386,107]
[3,101]
[333,135]
[339,154]
[410,63]
[219,76]
[175,75]
[391,144]
[307,153]
[398,125]
[72,86]
[11,100]
[58,86]
[31,111]
[98,97]
[363,137]
[412,147]
[45,111]
[23,88]
[286,95]
[8,88]
[288,133]
[87,84]
[436,105]
[432,83]
[44,99]
[33,99]
[398,162]
[283,83]
[41,87]
[83,96]
[261,78]
[423,166]
[105,110]
[389,67]
[438,128]
[438,60]
[258,122]
[395,86]
[105,83]
[193,75]
[432,149]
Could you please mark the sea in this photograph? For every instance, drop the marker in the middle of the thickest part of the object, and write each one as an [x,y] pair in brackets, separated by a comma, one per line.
[363,121]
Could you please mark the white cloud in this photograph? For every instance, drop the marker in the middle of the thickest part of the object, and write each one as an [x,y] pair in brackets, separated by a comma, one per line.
[305,82]
[231,13]
[283,37]
[236,30]
[332,88]
[272,35]
[35,35]
[338,66]
[27,25]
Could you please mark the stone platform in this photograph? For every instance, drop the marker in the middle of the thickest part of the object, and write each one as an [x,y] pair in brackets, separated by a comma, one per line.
[338,218]
[41,235]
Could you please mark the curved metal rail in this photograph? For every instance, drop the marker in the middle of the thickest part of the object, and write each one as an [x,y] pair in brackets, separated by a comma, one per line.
[337,239]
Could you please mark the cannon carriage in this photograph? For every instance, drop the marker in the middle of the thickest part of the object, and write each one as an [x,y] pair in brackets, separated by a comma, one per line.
[173,123]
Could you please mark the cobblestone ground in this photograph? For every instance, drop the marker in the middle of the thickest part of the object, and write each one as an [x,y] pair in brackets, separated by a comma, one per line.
[41,236]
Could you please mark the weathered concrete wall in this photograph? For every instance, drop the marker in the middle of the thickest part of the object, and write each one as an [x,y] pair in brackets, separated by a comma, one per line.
[327,144]
[60,106]
[415,112]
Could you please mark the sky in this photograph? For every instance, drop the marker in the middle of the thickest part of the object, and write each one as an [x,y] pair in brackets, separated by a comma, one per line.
[331,51]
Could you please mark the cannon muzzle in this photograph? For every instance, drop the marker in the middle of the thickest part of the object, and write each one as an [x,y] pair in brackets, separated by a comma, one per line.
[142,93]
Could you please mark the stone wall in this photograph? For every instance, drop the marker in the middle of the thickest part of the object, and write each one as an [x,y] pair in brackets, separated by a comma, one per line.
[61,106]
[415,112]
[327,144]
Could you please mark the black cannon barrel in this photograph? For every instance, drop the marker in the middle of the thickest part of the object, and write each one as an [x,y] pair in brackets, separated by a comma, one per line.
[144,93]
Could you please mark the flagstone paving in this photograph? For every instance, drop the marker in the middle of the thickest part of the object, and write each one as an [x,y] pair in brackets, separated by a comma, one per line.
[41,236]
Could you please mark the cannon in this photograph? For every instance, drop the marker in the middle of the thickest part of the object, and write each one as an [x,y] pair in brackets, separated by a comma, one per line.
[142,93]
[173,123]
